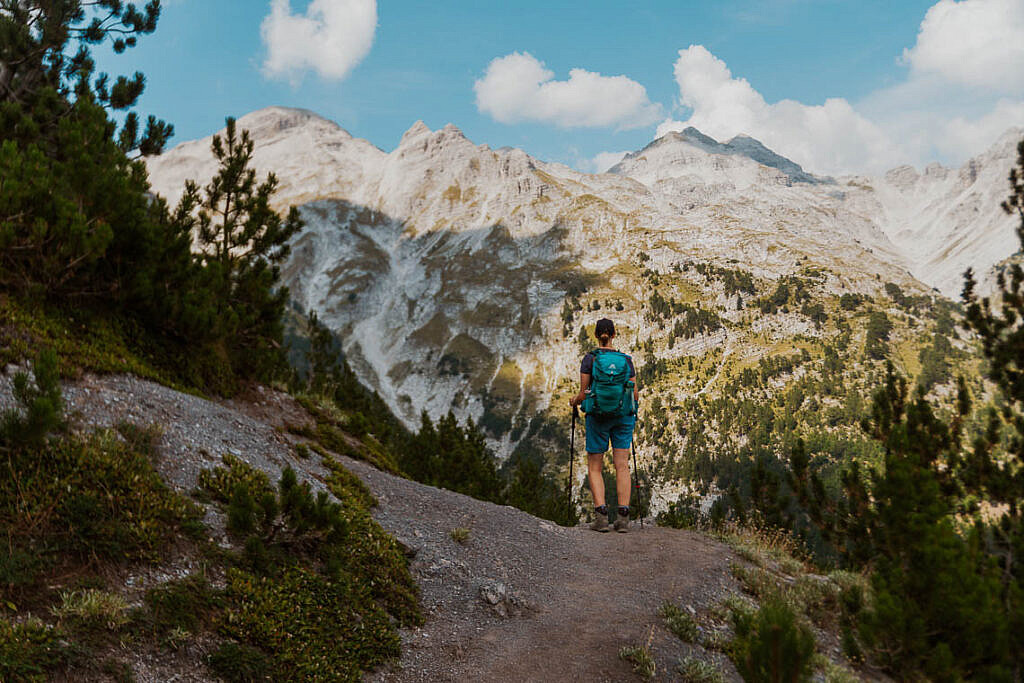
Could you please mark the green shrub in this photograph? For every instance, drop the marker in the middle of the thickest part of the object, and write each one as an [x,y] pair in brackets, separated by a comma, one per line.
[19,569]
[239,663]
[684,513]
[343,631]
[347,486]
[85,498]
[313,566]
[815,597]
[854,591]
[187,604]
[82,340]
[142,440]
[29,650]
[40,406]
[771,645]
[679,622]
[221,482]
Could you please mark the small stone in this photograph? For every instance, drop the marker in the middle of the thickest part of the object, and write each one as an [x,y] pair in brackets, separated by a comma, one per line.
[493,592]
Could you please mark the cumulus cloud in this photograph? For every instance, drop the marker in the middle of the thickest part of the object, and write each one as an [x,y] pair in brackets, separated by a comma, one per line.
[330,39]
[518,88]
[962,135]
[605,160]
[827,138]
[963,89]
[974,43]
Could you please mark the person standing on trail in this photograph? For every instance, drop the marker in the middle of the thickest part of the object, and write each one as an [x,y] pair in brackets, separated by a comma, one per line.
[609,396]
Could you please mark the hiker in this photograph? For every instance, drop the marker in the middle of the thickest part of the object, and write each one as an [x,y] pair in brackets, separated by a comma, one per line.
[609,397]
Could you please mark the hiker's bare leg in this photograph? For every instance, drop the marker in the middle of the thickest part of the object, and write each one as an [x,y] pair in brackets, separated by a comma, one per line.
[595,462]
[622,483]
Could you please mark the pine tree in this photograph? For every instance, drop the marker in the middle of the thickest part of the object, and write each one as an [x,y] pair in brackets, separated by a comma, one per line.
[39,62]
[244,240]
[936,607]
[993,467]
[40,406]
[76,219]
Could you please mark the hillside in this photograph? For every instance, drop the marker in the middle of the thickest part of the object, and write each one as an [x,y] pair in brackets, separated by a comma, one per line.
[519,598]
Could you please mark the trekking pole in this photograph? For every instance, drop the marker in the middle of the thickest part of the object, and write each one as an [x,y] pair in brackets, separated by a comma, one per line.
[572,456]
[636,482]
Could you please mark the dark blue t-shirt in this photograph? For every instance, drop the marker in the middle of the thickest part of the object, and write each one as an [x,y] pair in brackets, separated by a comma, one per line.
[587,366]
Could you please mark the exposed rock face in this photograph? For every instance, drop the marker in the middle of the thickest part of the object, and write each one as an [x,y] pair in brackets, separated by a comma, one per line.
[943,221]
[444,264]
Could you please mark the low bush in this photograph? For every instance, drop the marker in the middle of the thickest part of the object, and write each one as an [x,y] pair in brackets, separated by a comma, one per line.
[347,486]
[221,482]
[771,645]
[343,630]
[30,650]
[188,604]
[310,566]
[81,499]
[238,663]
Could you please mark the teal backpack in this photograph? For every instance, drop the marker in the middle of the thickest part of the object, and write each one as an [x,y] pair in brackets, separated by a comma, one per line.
[611,389]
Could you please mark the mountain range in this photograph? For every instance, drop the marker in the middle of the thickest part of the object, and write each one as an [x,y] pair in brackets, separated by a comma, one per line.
[459,276]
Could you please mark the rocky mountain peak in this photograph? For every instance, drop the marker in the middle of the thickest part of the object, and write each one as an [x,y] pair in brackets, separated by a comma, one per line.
[1010,138]
[275,121]
[419,139]
[416,130]
[689,149]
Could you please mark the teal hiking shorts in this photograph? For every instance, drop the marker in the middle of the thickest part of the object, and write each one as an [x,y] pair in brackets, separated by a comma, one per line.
[618,430]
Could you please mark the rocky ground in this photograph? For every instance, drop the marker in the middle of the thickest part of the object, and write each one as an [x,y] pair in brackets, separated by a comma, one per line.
[520,599]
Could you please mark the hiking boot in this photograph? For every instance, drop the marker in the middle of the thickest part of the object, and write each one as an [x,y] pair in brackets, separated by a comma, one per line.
[600,522]
[622,524]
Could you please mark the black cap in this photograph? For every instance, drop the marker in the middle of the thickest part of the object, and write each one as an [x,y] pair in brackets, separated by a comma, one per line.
[604,327]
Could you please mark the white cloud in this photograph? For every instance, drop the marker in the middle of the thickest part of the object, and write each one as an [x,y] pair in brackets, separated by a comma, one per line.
[974,43]
[964,88]
[602,161]
[331,38]
[827,138]
[517,88]
[963,137]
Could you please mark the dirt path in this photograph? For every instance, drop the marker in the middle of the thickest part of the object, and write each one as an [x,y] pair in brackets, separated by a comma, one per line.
[577,596]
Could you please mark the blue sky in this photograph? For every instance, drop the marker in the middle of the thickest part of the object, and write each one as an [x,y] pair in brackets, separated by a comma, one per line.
[893,79]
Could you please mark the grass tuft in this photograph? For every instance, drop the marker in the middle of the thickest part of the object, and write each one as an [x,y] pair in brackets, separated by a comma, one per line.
[679,622]
[693,670]
[92,608]
[640,657]
[459,535]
